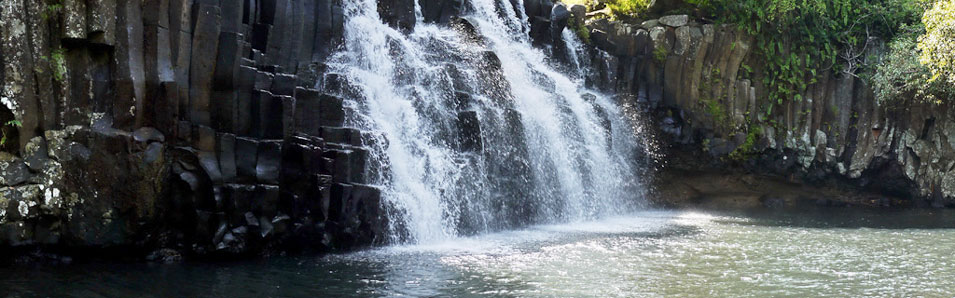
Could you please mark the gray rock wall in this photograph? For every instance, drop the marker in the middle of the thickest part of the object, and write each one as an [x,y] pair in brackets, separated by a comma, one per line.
[199,126]
[704,84]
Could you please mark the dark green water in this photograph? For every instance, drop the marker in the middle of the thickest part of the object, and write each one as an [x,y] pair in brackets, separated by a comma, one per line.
[838,252]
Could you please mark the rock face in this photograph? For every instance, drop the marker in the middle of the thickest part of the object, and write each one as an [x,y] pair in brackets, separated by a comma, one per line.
[181,126]
[703,84]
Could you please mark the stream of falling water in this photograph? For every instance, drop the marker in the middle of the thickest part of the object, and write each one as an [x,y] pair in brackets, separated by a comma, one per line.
[475,130]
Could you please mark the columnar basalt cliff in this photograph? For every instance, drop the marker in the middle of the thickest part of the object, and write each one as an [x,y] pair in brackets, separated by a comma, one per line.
[703,84]
[197,126]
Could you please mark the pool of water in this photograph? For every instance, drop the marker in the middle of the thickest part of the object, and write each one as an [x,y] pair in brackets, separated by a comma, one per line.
[828,252]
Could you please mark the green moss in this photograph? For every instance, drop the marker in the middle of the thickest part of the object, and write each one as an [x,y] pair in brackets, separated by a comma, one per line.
[660,54]
[52,9]
[715,109]
[580,29]
[748,148]
[627,9]
[59,64]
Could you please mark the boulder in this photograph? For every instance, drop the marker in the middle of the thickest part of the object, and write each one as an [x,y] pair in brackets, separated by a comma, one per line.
[35,154]
[13,171]
[579,13]
[675,20]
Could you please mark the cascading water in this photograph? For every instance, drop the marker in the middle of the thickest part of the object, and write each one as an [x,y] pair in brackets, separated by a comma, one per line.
[471,129]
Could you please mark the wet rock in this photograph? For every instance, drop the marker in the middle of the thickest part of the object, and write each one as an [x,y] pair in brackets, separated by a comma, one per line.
[720,147]
[35,154]
[339,195]
[578,12]
[225,151]
[13,171]
[469,131]
[602,41]
[340,135]
[330,111]
[165,256]
[148,134]
[772,202]
[441,11]
[210,164]
[399,14]
[246,153]
[205,46]
[268,162]
[283,84]
[540,31]
[559,15]
[467,29]
[491,60]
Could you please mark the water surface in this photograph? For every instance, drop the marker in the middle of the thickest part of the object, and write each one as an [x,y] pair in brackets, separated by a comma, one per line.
[839,252]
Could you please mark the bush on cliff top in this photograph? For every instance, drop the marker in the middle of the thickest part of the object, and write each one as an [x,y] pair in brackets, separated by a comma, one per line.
[615,9]
[900,78]
[627,9]
[918,67]
[798,37]
[938,42]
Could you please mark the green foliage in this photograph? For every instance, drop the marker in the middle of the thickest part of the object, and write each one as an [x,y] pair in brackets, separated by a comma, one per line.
[59,64]
[715,110]
[938,43]
[51,10]
[748,147]
[6,126]
[627,9]
[580,30]
[795,38]
[900,78]
[660,54]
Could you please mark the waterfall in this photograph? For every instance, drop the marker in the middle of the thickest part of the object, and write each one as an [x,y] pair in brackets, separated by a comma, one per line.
[472,129]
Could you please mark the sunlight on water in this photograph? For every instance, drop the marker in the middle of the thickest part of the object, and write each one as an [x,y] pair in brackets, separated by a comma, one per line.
[841,253]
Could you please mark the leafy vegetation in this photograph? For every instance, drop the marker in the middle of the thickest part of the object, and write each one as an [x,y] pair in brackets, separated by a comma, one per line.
[627,9]
[796,39]
[58,60]
[614,9]
[748,147]
[900,78]
[660,54]
[51,9]
[580,29]
[12,124]
[938,43]
[59,64]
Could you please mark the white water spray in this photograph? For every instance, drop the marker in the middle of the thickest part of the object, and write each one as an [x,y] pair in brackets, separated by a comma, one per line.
[542,149]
